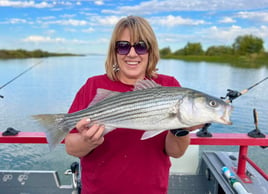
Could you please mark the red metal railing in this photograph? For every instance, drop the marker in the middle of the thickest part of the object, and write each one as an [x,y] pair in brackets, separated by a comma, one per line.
[225,139]
[241,140]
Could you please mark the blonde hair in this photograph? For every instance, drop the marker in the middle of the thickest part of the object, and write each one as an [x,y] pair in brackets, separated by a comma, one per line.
[139,29]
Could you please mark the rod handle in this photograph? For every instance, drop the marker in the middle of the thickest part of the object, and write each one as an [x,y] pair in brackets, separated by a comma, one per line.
[255,115]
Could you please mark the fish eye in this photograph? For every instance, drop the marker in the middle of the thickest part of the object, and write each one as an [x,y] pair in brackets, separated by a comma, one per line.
[212,103]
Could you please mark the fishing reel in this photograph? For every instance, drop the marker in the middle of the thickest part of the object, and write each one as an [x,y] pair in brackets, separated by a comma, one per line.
[231,95]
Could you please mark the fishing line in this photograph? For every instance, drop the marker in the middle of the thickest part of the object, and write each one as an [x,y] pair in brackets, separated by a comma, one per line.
[19,75]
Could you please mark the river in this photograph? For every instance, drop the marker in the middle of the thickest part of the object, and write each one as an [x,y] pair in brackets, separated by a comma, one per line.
[51,85]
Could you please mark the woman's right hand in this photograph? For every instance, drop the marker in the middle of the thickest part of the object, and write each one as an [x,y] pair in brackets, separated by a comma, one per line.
[92,135]
[87,139]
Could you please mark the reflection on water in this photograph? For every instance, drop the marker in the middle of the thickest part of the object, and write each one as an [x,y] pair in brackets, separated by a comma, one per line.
[50,88]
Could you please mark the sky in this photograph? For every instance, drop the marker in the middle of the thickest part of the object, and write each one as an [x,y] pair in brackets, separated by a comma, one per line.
[85,26]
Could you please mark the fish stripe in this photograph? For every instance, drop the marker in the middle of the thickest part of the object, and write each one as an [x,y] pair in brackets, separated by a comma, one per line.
[100,112]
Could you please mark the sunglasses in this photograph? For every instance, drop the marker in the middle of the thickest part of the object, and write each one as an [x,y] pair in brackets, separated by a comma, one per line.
[123,47]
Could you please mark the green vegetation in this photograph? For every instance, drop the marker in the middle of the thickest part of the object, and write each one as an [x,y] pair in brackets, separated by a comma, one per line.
[21,54]
[246,51]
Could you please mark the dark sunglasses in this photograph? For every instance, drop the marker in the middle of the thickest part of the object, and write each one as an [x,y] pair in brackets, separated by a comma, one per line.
[123,47]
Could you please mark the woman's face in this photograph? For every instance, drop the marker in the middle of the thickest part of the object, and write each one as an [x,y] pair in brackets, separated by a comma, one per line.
[132,65]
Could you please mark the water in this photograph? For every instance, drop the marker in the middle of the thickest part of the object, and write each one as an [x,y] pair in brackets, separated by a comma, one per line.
[51,86]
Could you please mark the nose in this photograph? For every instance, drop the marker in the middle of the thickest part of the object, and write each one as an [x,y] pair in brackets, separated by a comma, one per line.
[132,52]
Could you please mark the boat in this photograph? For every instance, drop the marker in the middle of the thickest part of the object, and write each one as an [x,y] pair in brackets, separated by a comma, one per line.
[215,172]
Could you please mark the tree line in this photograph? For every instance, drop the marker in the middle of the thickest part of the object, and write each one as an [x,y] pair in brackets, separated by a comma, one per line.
[243,46]
[20,54]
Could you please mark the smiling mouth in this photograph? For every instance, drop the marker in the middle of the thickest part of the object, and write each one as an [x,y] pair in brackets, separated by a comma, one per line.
[132,62]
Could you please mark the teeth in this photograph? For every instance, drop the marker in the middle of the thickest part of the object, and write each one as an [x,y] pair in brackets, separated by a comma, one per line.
[132,62]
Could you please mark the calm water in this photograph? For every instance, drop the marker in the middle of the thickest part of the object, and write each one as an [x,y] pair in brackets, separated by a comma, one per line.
[50,88]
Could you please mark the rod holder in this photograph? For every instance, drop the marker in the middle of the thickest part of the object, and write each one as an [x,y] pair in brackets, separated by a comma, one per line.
[256,133]
[204,131]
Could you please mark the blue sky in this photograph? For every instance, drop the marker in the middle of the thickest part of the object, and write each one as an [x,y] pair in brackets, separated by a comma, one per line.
[85,26]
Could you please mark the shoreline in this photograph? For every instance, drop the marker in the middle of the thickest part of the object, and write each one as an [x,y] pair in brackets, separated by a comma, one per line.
[24,54]
[249,61]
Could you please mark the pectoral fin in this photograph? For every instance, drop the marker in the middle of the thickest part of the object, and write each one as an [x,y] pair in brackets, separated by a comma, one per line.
[150,134]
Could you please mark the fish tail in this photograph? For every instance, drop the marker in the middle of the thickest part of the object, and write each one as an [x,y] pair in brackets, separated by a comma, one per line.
[54,127]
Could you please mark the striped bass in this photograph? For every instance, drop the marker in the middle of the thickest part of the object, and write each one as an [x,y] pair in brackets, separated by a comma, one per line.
[148,107]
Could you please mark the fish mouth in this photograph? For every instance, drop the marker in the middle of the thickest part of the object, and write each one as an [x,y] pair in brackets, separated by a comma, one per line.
[226,121]
[226,116]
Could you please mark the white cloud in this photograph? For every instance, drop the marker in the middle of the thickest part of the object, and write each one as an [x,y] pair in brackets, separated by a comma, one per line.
[175,20]
[48,39]
[50,32]
[104,20]
[212,36]
[71,22]
[23,4]
[76,41]
[46,18]
[223,35]
[42,39]
[256,16]
[17,21]
[156,6]
[226,36]
[70,30]
[99,2]
[67,15]
[227,20]
[88,30]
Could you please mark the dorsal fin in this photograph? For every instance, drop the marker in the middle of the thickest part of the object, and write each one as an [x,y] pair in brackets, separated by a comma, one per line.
[101,95]
[145,84]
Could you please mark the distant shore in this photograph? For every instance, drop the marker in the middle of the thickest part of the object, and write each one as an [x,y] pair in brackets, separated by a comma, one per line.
[246,61]
[249,61]
[246,51]
[23,54]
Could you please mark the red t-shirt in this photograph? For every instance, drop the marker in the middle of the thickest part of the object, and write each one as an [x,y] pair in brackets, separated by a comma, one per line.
[123,164]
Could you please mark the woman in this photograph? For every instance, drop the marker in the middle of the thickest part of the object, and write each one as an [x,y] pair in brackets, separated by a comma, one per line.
[120,162]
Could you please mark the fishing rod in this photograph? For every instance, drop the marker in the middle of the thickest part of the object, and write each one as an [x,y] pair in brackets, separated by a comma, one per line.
[230,96]
[16,77]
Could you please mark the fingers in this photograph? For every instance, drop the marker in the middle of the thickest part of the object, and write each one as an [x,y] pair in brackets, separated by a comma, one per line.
[82,124]
[93,134]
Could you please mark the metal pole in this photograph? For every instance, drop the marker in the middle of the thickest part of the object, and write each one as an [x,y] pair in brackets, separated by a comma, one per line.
[241,167]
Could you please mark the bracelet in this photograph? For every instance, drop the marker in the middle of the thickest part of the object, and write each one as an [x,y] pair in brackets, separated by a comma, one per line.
[179,132]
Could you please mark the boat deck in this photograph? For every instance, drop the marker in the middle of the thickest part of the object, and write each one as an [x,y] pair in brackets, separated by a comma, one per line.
[209,178]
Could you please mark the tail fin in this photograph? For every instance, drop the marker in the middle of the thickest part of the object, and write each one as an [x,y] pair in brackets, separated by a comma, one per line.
[55,128]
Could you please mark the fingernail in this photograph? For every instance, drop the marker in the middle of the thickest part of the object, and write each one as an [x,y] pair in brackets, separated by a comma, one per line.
[88,120]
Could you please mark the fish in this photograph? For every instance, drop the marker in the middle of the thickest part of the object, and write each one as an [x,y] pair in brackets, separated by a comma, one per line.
[149,107]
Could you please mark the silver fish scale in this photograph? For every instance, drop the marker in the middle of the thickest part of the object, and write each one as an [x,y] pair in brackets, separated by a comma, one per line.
[137,106]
